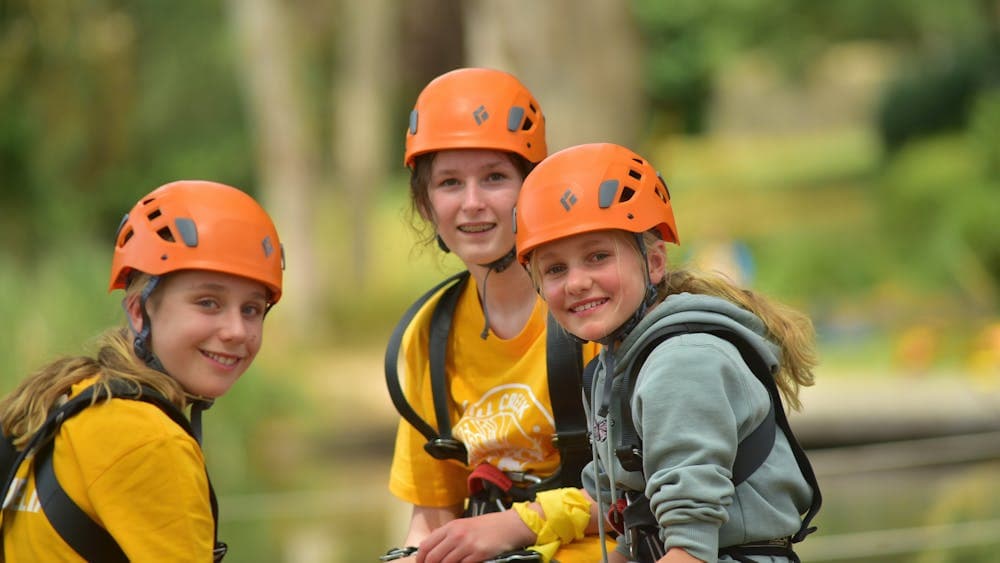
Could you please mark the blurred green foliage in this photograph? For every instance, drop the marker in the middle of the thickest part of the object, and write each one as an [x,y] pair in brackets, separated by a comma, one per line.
[687,42]
[889,223]
[937,92]
[104,101]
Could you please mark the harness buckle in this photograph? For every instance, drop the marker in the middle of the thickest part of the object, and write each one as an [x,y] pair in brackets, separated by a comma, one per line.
[630,457]
[446,448]
[219,551]
[572,439]
[398,553]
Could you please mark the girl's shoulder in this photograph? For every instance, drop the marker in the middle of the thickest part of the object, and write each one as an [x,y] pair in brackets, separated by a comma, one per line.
[122,423]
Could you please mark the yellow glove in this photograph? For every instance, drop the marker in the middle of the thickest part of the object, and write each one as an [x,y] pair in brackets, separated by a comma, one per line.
[567,514]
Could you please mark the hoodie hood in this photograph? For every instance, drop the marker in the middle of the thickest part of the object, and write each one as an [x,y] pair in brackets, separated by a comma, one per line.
[692,308]
[699,400]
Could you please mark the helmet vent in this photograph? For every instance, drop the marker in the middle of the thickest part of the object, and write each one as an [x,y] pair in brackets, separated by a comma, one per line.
[635,174]
[127,236]
[627,194]
[527,124]
[665,194]
[165,234]
[118,232]
[152,215]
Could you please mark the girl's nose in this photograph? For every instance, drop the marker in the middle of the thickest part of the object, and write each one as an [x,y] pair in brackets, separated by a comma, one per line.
[473,200]
[577,280]
[233,326]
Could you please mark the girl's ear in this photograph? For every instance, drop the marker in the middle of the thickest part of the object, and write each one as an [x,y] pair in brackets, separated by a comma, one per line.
[656,261]
[133,311]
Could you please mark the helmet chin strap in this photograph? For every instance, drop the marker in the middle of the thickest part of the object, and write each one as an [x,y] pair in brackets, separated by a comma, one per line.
[498,265]
[502,263]
[648,299]
[141,345]
[444,247]
[141,342]
[622,331]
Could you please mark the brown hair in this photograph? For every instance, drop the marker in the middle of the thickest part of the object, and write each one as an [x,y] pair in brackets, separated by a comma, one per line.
[420,212]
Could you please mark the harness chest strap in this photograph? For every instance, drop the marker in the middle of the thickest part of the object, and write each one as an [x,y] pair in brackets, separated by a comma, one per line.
[440,445]
[751,452]
[563,365]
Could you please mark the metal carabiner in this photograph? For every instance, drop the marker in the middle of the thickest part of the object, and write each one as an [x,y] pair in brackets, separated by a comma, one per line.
[398,553]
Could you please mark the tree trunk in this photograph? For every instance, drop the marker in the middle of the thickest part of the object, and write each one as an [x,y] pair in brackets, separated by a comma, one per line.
[598,97]
[366,58]
[287,149]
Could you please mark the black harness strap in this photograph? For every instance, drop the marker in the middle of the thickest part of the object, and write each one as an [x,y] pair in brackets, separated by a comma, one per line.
[774,548]
[445,446]
[392,375]
[86,537]
[436,446]
[563,363]
[752,450]
[9,458]
[782,421]
[564,359]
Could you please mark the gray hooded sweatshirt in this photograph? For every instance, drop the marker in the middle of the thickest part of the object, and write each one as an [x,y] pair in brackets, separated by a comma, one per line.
[695,400]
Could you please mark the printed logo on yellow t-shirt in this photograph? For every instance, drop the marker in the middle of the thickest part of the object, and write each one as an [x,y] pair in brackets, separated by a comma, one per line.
[17,500]
[508,427]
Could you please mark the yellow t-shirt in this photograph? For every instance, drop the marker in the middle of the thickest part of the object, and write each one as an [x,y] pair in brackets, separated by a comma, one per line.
[500,403]
[133,471]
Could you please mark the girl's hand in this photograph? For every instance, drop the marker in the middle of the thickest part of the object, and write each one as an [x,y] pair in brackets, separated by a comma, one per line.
[475,539]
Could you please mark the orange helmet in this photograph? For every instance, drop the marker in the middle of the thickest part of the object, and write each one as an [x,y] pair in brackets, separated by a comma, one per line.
[198,225]
[476,108]
[591,188]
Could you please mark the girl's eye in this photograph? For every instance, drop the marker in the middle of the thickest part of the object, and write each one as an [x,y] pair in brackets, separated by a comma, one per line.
[600,256]
[207,303]
[496,177]
[554,269]
[447,182]
[253,310]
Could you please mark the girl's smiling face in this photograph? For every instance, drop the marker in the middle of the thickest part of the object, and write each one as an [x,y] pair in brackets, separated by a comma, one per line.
[207,327]
[472,194]
[593,282]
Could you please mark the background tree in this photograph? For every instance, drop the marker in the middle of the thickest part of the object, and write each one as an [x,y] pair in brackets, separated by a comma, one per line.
[535,40]
[287,149]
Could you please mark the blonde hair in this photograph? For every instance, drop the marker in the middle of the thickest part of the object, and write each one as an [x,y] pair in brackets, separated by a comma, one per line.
[25,409]
[789,328]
